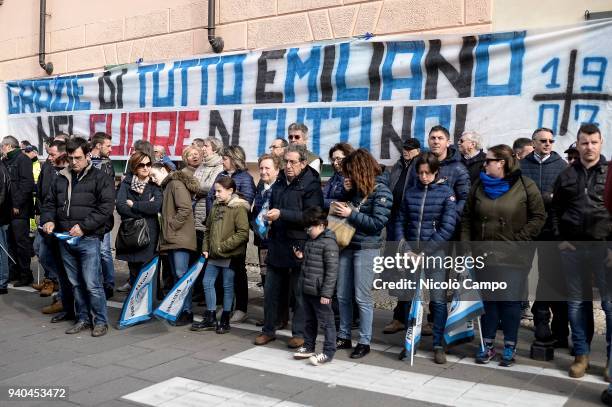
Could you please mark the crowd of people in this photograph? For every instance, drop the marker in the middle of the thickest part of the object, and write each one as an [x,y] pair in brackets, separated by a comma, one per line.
[449,192]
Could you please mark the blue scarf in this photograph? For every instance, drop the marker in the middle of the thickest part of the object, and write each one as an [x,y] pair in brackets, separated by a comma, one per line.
[494,187]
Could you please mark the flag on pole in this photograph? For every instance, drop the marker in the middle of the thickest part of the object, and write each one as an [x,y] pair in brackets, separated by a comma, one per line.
[138,305]
[415,322]
[460,320]
[171,307]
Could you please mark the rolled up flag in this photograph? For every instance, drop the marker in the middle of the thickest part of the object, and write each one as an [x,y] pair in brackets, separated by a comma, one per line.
[65,237]
[174,303]
[138,305]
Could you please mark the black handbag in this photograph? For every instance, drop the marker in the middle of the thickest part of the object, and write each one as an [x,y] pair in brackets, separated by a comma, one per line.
[133,235]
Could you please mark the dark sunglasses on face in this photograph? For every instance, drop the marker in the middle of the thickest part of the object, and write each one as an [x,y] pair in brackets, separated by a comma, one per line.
[143,165]
[294,137]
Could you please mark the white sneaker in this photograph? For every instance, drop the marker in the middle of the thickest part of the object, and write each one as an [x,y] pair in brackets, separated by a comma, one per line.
[238,316]
[303,353]
[125,288]
[319,359]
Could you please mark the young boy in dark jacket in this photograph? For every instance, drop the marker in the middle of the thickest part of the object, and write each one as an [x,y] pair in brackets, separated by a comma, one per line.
[320,271]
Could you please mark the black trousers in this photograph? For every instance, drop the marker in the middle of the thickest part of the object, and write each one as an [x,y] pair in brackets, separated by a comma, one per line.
[315,315]
[20,247]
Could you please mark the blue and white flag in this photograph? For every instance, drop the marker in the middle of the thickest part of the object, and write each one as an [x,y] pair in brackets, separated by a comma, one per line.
[459,323]
[172,306]
[66,237]
[415,322]
[138,305]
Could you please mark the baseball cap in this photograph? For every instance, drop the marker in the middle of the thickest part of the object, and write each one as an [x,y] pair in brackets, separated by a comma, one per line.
[411,144]
[30,148]
[571,149]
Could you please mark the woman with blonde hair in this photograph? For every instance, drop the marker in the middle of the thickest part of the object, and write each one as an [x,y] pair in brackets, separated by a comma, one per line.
[192,158]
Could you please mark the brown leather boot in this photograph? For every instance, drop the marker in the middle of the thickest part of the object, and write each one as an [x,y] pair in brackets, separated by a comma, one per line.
[47,288]
[263,339]
[40,285]
[579,367]
[393,327]
[53,308]
[294,343]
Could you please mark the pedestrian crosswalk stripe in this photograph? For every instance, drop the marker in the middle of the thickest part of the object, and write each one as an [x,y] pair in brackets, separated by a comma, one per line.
[405,384]
[178,391]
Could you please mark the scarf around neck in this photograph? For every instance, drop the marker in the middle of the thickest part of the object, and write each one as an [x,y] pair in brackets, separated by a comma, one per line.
[138,186]
[494,187]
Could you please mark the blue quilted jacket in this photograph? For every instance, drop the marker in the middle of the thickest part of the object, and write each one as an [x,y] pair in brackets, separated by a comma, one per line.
[333,190]
[428,213]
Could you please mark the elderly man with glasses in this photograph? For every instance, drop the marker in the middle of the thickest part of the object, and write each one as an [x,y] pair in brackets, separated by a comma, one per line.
[297,133]
[543,166]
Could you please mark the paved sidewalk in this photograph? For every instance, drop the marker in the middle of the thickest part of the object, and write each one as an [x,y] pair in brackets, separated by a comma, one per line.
[179,367]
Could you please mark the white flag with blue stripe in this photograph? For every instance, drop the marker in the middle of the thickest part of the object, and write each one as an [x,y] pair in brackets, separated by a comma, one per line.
[459,323]
[174,303]
[415,322]
[138,306]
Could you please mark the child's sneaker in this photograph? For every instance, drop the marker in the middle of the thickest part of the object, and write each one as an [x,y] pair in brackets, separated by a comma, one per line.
[507,359]
[484,357]
[319,359]
[303,353]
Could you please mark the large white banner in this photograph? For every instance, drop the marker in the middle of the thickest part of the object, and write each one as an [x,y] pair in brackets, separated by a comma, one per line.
[368,92]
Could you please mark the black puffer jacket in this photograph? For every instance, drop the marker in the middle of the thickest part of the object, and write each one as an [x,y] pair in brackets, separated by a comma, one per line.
[88,201]
[475,165]
[320,265]
[578,208]
[292,200]
[22,183]
[45,180]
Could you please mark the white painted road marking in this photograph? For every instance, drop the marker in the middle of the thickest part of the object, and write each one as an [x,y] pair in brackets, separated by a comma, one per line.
[519,368]
[409,385]
[179,392]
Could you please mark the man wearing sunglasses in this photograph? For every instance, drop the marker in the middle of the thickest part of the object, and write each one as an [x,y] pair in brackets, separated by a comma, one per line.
[297,133]
[543,166]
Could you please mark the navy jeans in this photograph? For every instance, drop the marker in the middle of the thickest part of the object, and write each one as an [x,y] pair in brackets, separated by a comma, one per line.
[276,279]
[509,312]
[45,255]
[179,264]
[578,267]
[82,263]
[108,268]
[315,315]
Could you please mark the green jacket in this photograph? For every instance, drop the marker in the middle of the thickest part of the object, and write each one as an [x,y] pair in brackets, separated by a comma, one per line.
[227,229]
[177,223]
[516,216]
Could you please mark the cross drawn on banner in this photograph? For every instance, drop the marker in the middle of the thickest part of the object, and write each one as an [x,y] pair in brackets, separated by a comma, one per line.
[569,96]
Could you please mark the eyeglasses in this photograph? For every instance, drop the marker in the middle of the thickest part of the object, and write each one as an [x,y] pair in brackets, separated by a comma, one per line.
[294,137]
[143,165]
[547,141]
[291,163]
[337,159]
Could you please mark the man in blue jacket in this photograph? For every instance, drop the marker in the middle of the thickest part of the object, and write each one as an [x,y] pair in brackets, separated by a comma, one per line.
[543,166]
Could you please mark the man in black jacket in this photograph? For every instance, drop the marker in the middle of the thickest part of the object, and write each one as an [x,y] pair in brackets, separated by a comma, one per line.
[5,219]
[472,156]
[80,206]
[297,188]
[101,144]
[581,221]
[543,166]
[22,201]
